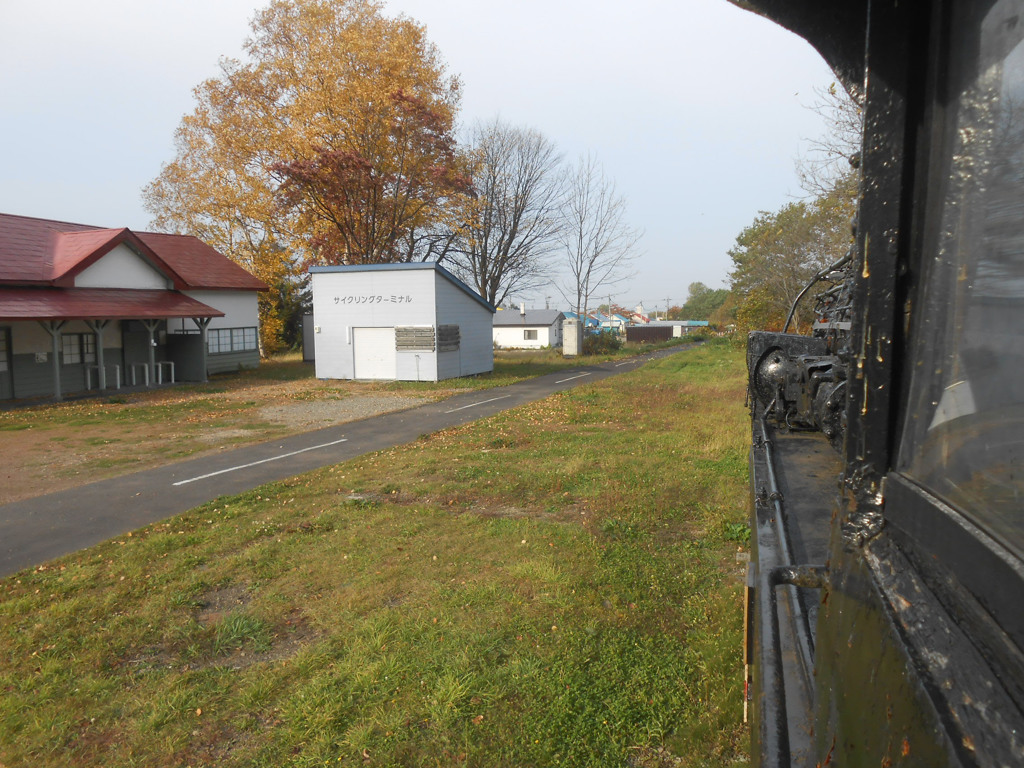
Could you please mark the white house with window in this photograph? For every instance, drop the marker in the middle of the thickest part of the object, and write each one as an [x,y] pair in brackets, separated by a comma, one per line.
[83,308]
[529,329]
[404,322]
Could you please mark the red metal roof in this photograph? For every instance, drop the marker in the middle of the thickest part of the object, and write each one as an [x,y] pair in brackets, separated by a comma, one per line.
[98,303]
[27,245]
[199,265]
[71,248]
[45,252]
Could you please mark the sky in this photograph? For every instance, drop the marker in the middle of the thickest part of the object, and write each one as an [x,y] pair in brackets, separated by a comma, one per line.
[698,110]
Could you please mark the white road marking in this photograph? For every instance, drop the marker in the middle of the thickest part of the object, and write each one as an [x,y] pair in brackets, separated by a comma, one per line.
[261,461]
[474,405]
[625,362]
[580,376]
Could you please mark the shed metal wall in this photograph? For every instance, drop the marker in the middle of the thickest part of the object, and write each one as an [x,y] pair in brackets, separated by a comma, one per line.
[476,343]
[346,300]
[351,299]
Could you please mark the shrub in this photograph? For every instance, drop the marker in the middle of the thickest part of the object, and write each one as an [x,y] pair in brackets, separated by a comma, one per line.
[601,343]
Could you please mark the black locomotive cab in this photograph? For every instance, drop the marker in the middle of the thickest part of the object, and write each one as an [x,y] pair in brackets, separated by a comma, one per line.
[886,586]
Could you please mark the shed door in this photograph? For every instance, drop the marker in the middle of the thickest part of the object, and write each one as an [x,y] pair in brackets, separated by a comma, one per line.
[374,350]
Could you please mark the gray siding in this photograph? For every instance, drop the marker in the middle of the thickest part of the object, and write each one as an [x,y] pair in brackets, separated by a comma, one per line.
[32,379]
[227,362]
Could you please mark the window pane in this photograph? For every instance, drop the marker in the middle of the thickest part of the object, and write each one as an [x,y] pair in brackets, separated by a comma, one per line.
[71,347]
[965,410]
[216,341]
[89,348]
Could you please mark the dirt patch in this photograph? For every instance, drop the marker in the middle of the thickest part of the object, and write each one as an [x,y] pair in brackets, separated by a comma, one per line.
[217,603]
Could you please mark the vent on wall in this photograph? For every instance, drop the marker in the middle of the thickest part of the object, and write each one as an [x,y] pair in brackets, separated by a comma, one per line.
[448,338]
[414,339]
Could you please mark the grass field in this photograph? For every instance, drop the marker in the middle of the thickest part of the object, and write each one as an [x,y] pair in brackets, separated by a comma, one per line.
[555,585]
[47,447]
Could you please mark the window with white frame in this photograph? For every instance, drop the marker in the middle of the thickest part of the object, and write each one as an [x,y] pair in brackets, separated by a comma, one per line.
[78,348]
[530,335]
[222,340]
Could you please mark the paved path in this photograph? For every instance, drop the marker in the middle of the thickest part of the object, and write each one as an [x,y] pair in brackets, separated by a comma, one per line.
[35,530]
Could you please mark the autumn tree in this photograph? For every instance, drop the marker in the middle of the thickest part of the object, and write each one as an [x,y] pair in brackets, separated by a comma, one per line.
[512,219]
[386,199]
[702,302]
[597,240]
[776,256]
[330,92]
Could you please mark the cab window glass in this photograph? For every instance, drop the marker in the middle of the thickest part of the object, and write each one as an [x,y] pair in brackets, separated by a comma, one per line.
[964,436]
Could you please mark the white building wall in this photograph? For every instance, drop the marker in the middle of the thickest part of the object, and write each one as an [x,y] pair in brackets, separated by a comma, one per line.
[513,337]
[121,268]
[239,307]
[475,321]
[417,366]
[373,299]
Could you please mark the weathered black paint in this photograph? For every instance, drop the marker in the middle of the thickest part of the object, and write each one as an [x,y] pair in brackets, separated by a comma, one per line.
[917,646]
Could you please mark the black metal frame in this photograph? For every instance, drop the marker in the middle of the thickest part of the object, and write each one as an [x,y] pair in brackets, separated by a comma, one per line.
[905,568]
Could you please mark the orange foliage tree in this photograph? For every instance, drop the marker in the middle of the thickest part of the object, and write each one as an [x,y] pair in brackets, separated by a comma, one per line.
[322,79]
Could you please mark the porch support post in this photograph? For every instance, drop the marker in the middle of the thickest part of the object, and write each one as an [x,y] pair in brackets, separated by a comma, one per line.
[97,327]
[203,323]
[53,327]
[151,326]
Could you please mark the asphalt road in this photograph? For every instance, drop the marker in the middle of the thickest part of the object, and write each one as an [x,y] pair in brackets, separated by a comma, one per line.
[33,531]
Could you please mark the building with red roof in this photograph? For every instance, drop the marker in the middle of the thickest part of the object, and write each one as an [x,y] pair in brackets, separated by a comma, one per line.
[84,307]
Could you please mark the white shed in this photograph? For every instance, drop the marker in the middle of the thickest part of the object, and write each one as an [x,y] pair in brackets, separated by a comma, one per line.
[404,322]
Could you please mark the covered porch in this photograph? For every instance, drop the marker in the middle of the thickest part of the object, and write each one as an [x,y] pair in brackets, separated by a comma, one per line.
[54,341]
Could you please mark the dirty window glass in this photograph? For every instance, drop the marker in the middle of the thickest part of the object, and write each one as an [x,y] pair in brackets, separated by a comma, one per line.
[964,433]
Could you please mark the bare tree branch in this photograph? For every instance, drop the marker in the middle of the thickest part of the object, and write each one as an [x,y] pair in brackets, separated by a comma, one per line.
[598,242]
[511,224]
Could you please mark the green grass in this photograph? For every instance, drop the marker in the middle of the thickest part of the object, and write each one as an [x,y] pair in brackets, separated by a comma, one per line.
[555,585]
[511,366]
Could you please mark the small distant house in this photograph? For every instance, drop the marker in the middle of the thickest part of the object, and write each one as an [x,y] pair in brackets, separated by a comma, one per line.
[615,322]
[398,322]
[532,329]
[82,307]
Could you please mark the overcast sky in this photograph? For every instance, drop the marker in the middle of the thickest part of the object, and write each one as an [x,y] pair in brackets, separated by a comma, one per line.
[696,108]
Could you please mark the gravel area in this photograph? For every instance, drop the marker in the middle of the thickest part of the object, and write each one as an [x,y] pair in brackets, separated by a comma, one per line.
[325,412]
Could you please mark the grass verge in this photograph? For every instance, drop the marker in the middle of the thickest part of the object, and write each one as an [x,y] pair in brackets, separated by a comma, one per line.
[555,585]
